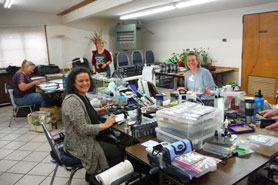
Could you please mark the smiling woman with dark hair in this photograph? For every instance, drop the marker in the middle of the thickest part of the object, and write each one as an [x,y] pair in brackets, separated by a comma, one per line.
[70,86]
[82,126]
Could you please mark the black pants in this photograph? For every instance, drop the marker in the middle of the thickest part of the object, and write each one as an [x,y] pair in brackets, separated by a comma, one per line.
[113,153]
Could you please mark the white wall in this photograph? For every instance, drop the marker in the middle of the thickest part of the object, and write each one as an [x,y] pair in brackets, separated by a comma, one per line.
[203,30]
[74,43]
[28,18]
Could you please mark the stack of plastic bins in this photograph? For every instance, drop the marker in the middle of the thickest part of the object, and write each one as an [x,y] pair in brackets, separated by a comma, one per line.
[188,121]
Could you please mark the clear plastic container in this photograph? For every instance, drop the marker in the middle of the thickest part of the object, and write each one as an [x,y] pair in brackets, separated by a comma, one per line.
[218,150]
[171,138]
[181,121]
[164,136]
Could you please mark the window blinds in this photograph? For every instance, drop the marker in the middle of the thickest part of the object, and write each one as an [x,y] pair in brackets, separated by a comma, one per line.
[22,42]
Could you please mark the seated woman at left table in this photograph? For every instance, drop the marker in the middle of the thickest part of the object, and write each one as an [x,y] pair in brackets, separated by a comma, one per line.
[24,88]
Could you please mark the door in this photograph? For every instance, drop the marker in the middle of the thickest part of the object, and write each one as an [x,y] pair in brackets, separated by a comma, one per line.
[260,54]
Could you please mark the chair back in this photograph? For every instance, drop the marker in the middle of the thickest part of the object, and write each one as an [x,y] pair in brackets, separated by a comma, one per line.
[80,62]
[55,153]
[112,67]
[122,59]
[137,58]
[10,93]
[149,57]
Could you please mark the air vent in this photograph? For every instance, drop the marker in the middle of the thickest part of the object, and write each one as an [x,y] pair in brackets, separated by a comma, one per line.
[128,37]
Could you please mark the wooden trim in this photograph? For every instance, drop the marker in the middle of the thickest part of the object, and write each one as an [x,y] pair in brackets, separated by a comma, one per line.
[75,7]
[236,69]
[46,39]
[260,13]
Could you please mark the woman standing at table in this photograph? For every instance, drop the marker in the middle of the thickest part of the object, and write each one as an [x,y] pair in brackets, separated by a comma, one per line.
[197,77]
[82,126]
[101,58]
[24,88]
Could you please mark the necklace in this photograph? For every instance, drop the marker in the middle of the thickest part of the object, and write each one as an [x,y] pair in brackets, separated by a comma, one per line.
[192,78]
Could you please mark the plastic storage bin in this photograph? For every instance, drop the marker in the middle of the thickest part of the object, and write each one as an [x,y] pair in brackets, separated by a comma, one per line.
[170,138]
[164,136]
[189,120]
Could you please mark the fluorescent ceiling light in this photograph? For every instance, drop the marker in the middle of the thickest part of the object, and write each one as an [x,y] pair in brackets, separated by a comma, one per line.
[8,3]
[148,12]
[192,3]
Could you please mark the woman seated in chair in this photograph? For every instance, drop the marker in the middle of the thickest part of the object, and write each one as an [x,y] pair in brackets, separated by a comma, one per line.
[24,88]
[197,77]
[82,126]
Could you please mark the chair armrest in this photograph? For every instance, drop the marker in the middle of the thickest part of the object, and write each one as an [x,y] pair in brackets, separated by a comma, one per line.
[59,138]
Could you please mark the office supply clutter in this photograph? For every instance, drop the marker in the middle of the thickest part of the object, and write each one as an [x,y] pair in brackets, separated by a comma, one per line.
[179,160]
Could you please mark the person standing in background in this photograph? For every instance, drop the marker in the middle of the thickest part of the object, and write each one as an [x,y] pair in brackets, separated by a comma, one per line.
[101,58]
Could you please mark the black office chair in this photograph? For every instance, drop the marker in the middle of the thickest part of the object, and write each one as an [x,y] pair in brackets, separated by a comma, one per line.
[9,91]
[122,59]
[80,62]
[57,152]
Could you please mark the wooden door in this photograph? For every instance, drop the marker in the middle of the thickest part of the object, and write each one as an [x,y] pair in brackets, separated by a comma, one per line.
[260,54]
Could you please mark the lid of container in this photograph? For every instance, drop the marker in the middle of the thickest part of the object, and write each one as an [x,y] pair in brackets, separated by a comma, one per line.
[249,101]
[258,94]
[174,94]
[38,113]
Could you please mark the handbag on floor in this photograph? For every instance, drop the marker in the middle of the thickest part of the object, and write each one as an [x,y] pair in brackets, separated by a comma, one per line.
[34,119]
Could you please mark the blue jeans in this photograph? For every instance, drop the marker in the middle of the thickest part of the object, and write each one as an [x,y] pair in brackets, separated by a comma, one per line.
[108,72]
[33,99]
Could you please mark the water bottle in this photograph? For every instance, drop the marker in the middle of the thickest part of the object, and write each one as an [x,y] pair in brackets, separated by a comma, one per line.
[259,104]
[64,80]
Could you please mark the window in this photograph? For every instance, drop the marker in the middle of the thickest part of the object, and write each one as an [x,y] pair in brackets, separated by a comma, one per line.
[22,42]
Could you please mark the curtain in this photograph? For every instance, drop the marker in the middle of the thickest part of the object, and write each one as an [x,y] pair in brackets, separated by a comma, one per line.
[18,43]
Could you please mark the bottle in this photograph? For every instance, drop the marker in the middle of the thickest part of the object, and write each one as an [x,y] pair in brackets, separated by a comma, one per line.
[259,104]
[226,123]
[237,102]
[219,104]
[64,80]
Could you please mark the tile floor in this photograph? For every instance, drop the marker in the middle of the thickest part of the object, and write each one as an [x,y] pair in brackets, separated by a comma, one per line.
[24,155]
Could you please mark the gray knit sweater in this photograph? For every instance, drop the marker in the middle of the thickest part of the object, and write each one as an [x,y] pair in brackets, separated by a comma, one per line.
[80,135]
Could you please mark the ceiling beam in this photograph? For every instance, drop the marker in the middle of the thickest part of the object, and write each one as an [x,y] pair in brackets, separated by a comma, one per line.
[75,7]
[91,9]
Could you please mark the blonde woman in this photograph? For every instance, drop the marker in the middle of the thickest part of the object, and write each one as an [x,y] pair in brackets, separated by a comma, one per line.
[24,87]
[197,77]
[101,58]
